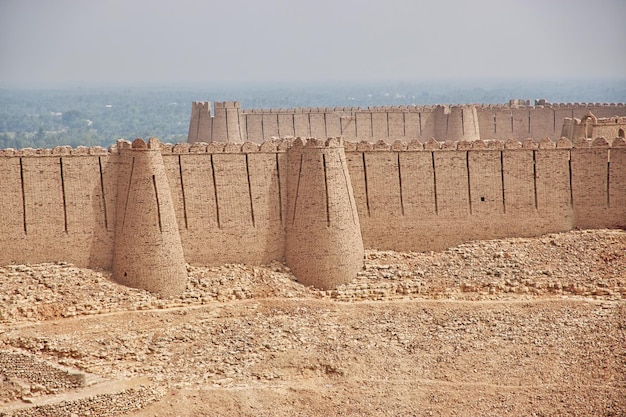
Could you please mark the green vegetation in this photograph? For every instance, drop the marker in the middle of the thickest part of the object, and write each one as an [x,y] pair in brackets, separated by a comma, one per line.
[46,117]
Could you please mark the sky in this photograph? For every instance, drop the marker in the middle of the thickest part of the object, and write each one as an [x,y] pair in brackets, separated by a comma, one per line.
[208,41]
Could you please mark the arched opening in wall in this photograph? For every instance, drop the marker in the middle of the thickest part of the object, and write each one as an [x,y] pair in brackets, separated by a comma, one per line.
[620,133]
[588,129]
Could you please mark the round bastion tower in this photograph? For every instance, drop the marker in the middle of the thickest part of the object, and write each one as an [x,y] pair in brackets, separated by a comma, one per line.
[324,247]
[148,253]
[456,123]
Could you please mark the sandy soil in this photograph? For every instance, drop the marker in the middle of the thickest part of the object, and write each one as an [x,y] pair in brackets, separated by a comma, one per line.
[509,327]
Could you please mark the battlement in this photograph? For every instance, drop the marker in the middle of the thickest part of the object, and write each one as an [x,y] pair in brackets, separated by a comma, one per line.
[281,145]
[56,151]
[143,208]
[458,122]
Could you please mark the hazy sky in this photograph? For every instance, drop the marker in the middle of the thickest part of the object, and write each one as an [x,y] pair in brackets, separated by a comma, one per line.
[318,40]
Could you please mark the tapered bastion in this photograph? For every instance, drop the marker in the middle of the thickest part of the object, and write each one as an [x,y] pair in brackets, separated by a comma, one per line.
[324,247]
[148,253]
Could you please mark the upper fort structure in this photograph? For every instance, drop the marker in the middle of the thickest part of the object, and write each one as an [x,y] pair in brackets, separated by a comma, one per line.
[144,209]
[228,122]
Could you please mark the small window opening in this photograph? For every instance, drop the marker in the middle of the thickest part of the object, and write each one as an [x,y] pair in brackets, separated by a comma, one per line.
[620,133]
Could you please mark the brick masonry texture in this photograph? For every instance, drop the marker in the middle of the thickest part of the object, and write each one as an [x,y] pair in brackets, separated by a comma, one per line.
[216,203]
[230,123]
[324,247]
[148,252]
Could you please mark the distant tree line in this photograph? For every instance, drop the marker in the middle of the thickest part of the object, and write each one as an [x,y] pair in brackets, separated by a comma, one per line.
[44,118]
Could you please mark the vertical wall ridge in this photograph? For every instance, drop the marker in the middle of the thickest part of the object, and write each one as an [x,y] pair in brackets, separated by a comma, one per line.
[23,196]
[104,201]
[63,195]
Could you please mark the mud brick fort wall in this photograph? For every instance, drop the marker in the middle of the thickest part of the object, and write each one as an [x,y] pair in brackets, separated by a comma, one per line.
[228,122]
[144,209]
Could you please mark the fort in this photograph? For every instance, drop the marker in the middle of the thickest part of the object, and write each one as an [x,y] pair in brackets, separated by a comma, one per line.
[370,179]
[228,122]
[591,126]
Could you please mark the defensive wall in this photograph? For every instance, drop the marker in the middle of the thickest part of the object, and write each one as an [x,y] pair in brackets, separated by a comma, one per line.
[143,210]
[228,122]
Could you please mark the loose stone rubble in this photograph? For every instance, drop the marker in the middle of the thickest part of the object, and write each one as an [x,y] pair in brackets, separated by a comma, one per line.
[237,327]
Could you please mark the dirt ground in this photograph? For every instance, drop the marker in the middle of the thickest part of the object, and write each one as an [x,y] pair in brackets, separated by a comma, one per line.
[513,327]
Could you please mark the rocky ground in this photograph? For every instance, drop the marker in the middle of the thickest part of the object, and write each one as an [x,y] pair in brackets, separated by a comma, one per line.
[508,327]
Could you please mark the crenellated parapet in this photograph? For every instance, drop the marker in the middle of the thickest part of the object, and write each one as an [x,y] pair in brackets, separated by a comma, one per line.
[144,209]
[517,119]
[56,151]
[233,124]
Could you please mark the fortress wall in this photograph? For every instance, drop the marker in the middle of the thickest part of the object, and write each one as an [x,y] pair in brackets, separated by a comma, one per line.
[486,124]
[205,123]
[358,177]
[590,183]
[418,184]
[233,122]
[285,125]
[230,200]
[559,116]
[254,127]
[396,125]
[553,181]
[231,173]
[521,124]
[270,125]
[194,122]
[380,126]
[229,206]
[427,120]
[12,222]
[519,182]
[90,209]
[432,199]
[45,211]
[617,186]
[412,125]
[302,124]
[348,127]
[383,185]
[333,124]
[219,128]
[468,122]
[364,126]
[172,165]
[580,111]
[458,123]
[503,124]
[318,125]
[607,111]
[54,208]
[486,189]
[452,183]
[201,123]
[85,204]
[543,123]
